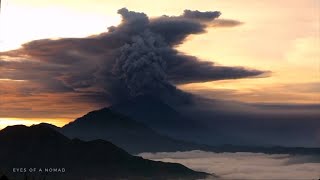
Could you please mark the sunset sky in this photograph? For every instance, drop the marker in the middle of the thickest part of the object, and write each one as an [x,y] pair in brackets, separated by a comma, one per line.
[280,37]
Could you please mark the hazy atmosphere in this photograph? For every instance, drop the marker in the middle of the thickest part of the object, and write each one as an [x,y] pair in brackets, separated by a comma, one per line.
[179,89]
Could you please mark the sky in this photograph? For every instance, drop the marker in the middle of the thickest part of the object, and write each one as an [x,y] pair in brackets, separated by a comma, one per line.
[240,165]
[280,38]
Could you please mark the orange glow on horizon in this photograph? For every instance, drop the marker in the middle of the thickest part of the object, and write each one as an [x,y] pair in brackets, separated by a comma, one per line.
[4,122]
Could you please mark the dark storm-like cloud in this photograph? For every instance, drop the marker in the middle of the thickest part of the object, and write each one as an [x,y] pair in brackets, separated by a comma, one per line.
[207,16]
[134,58]
[205,71]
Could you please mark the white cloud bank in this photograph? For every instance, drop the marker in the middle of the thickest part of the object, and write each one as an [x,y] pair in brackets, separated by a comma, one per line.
[245,165]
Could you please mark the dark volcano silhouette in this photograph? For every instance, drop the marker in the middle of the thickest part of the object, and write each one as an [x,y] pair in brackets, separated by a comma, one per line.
[126,133]
[139,130]
[217,122]
[43,147]
[160,116]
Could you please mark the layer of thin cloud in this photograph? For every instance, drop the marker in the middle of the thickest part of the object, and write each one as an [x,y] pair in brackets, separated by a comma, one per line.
[245,165]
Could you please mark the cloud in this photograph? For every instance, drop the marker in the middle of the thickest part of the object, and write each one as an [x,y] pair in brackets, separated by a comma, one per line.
[226,23]
[244,165]
[206,71]
[136,57]
[205,16]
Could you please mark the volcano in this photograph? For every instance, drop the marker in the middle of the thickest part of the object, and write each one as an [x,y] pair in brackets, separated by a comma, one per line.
[133,136]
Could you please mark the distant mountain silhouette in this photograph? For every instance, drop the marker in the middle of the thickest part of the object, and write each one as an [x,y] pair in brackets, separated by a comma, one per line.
[205,122]
[159,116]
[164,119]
[266,150]
[135,136]
[50,126]
[126,133]
[42,147]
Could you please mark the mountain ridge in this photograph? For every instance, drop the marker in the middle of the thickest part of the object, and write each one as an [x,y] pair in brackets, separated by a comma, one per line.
[41,146]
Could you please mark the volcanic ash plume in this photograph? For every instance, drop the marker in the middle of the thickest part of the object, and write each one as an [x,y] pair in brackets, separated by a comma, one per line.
[137,57]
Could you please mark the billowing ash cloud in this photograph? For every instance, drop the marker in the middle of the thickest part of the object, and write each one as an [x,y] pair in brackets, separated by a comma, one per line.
[207,16]
[134,58]
[140,64]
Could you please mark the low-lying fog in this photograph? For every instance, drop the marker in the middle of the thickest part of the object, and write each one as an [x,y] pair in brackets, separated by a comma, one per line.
[245,165]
